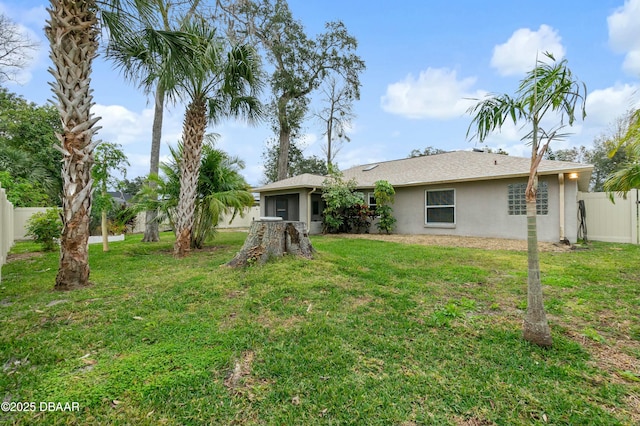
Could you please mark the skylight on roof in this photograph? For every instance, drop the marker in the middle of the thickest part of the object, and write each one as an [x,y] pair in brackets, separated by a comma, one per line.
[371,167]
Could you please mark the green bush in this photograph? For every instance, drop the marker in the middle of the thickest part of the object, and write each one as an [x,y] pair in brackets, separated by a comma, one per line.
[384,194]
[45,228]
[345,209]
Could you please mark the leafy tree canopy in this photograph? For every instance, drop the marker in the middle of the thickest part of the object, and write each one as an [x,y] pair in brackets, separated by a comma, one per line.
[27,150]
[298,163]
[300,63]
[430,150]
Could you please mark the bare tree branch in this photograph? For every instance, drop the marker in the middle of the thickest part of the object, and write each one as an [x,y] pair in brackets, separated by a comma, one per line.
[16,49]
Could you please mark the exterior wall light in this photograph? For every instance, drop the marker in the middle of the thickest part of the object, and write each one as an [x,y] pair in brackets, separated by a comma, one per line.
[573,175]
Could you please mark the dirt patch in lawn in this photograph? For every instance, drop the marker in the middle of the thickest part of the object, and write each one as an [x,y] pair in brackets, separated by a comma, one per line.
[23,256]
[455,241]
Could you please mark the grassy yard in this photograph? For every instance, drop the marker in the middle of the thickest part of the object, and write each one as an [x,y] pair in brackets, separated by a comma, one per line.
[369,332]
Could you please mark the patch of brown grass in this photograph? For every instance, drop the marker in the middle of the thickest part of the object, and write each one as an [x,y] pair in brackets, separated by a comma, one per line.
[456,241]
[472,421]
[613,359]
[23,256]
[240,380]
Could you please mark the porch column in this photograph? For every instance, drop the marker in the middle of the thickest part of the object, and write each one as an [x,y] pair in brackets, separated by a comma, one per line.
[309,208]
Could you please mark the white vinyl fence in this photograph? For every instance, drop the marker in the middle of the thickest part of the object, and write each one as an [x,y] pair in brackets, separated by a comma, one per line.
[6,228]
[611,222]
[238,222]
[20,217]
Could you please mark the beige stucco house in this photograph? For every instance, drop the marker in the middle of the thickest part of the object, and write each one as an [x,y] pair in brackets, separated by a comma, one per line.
[465,193]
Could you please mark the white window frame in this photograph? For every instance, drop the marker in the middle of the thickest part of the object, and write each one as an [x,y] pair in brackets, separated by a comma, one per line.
[371,196]
[426,208]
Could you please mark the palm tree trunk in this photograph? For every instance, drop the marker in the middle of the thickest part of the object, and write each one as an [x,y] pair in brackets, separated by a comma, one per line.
[194,127]
[151,229]
[72,34]
[535,327]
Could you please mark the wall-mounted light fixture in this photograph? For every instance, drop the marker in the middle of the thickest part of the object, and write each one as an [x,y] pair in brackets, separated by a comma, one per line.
[573,175]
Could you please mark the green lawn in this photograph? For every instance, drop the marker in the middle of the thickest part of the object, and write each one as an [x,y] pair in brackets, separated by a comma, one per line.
[369,332]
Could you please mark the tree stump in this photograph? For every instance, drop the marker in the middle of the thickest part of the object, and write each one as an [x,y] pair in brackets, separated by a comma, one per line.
[270,237]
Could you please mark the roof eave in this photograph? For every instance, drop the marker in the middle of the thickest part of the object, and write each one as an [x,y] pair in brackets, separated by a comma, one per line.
[579,170]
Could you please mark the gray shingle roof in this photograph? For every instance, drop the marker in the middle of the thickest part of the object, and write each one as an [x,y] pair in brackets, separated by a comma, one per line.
[456,166]
[305,180]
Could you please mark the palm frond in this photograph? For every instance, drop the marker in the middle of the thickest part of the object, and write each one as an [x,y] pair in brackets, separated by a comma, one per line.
[623,180]
[491,113]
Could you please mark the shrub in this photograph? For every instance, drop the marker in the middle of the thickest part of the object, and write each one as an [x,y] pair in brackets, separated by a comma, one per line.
[358,218]
[345,209]
[124,220]
[384,194]
[45,228]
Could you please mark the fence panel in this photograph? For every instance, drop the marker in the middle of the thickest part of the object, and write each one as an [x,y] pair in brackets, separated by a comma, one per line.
[20,217]
[611,222]
[6,228]
[250,215]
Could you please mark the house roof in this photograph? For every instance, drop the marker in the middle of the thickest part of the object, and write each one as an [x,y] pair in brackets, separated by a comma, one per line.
[449,167]
[305,180]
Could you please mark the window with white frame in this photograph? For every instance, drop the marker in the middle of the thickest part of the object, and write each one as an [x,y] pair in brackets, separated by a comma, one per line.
[440,207]
[371,201]
[517,202]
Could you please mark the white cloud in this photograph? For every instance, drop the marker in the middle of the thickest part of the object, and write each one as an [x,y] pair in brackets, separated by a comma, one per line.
[604,106]
[518,54]
[125,127]
[360,155]
[624,34]
[119,125]
[28,24]
[307,140]
[631,62]
[132,130]
[436,93]
[138,164]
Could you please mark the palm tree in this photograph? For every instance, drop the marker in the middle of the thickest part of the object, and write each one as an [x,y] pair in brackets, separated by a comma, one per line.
[72,31]
[215,83]
[221,190]
[627,177]
[121,51]
[549,87]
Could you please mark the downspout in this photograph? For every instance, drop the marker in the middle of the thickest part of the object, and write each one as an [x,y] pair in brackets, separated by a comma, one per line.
[637,218]
[562,213]
[309,208]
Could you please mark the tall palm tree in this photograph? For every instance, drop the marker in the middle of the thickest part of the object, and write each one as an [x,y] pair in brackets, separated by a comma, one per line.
[215,83]
[169,14]
[72,31]
[548,87]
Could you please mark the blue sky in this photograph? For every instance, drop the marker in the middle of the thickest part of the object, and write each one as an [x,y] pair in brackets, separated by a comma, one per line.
[424,60]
